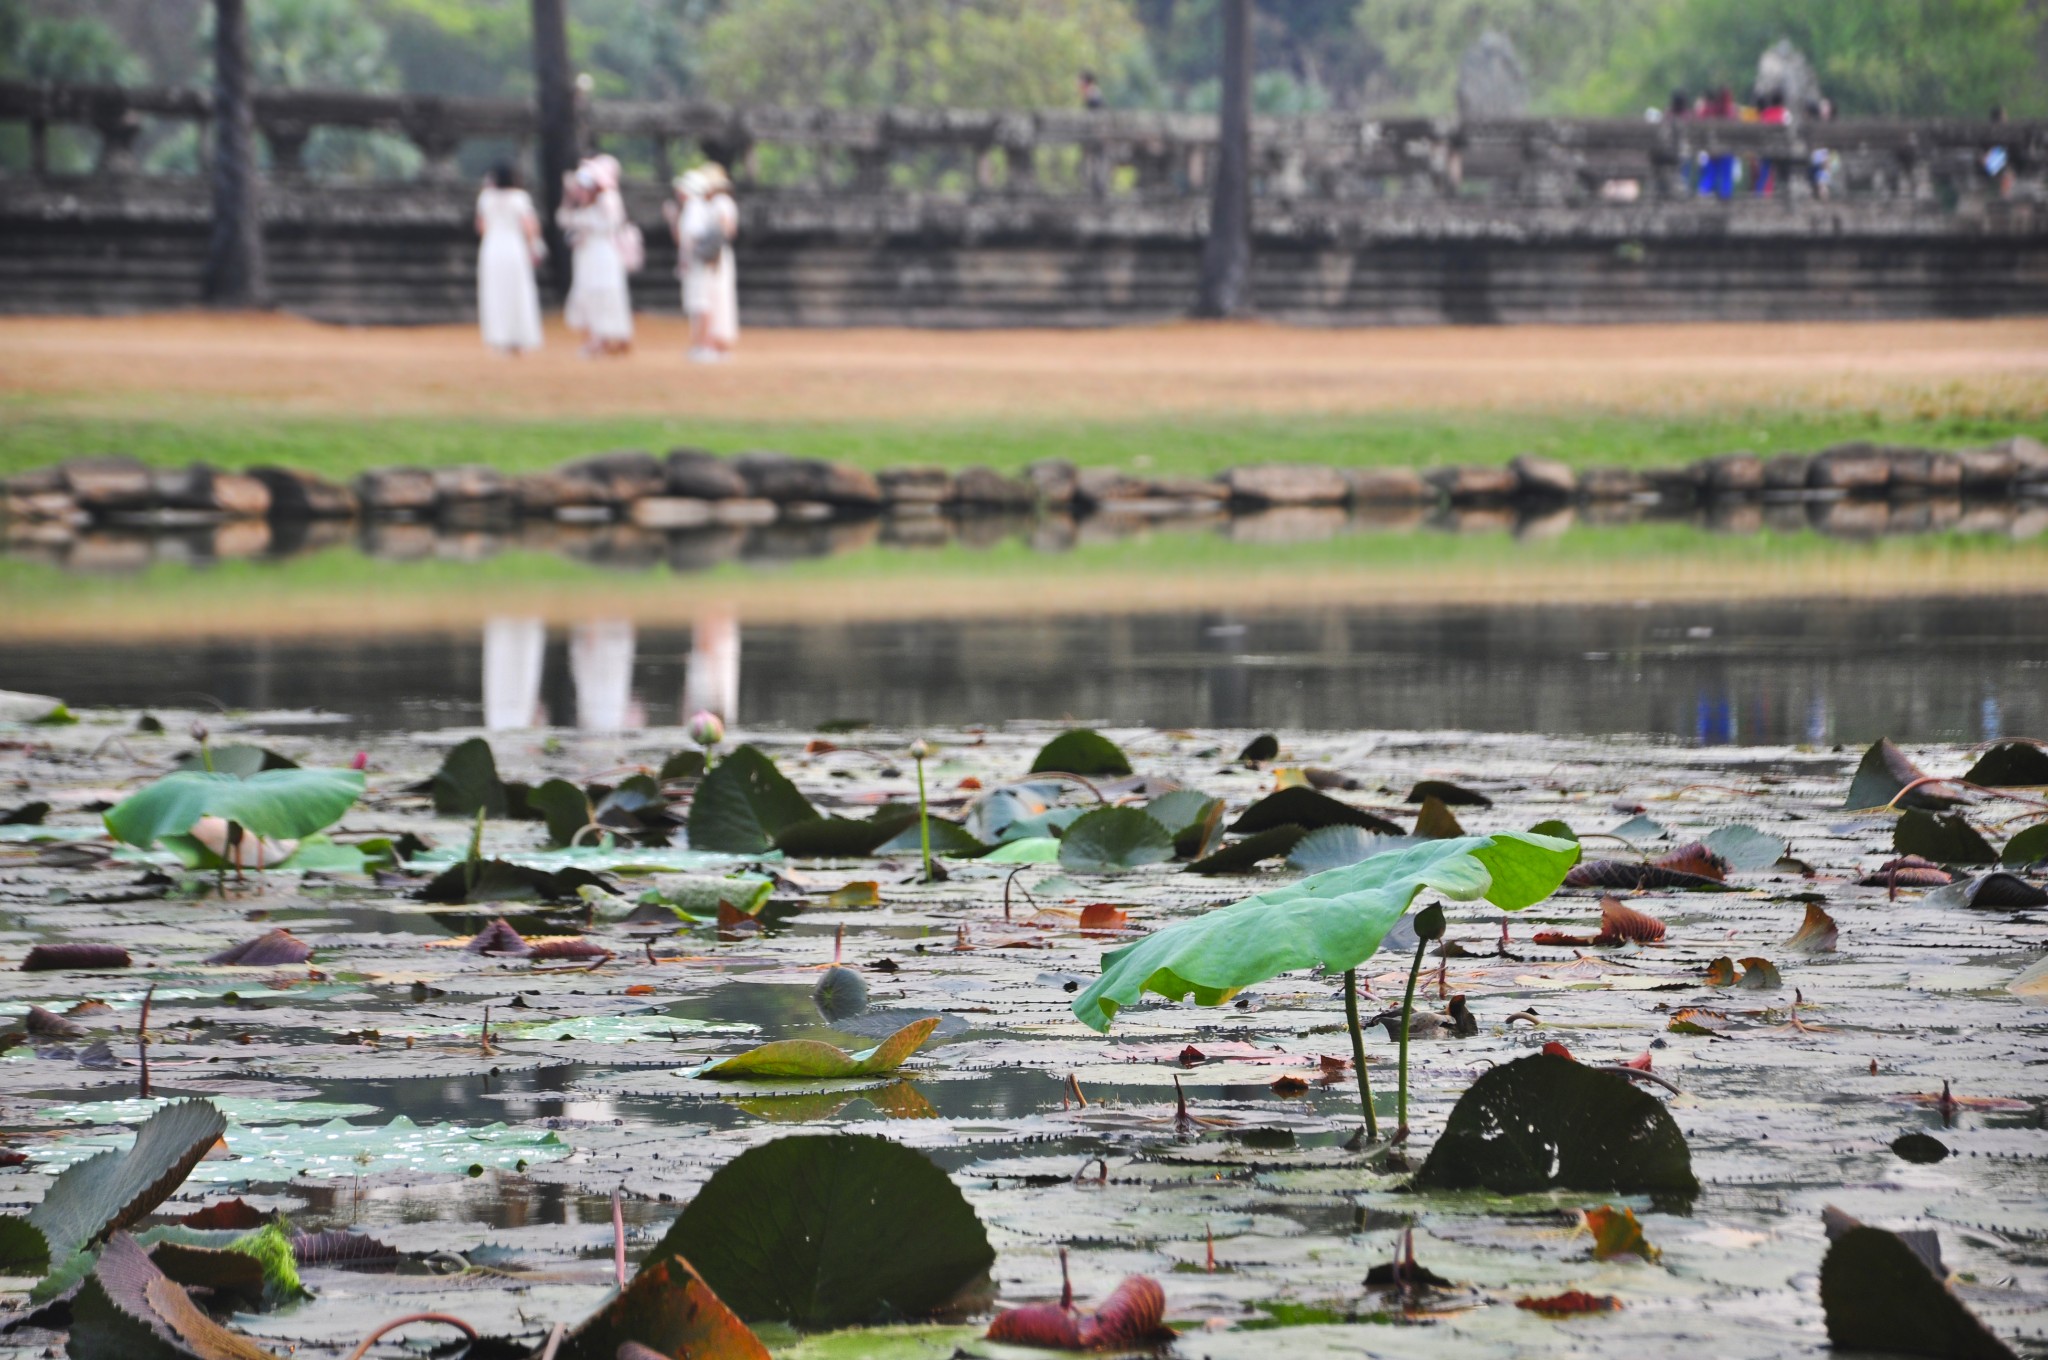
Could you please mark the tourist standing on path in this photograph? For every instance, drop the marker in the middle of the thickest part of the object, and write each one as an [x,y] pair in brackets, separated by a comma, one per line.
[705,219]
[593,217]
[507,300]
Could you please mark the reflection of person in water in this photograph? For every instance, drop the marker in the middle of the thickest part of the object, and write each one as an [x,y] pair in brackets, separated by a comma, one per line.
[601,665]
[515,653]
[711,678]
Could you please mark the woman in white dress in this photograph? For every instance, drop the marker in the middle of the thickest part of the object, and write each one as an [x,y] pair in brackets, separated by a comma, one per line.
[507,301]
[593,216]
[704,227]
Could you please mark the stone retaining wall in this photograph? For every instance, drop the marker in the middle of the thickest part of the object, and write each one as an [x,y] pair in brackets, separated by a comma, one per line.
[693,488]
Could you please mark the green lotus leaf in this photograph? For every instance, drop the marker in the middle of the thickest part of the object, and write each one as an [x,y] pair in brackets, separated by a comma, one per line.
[1336,918]
[816,1058]
[744,804]
[115,1188]
[1113,838]
[1081,751]
[276,804]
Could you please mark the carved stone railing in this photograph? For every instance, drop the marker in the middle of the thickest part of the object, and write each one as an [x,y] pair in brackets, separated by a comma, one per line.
[1066,154]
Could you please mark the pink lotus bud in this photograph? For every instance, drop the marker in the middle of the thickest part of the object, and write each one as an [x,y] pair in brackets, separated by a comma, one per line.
[361,762]
[706,728]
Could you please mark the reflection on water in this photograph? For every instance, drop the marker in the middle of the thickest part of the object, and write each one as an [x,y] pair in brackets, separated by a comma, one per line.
[1968,669]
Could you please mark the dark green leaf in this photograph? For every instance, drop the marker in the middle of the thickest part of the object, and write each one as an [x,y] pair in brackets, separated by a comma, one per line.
[1449,794]
[117,1187]
[467,782]
[497,880]
[130,1310]
[2026,848]
[1181,811]
[844,837]
[948,838]
[1245,854]
[830,1231]
[1641,828]
[28,814]
[1309,810]
[236,760]
[1543,1122]
[1113,838]
[683,765]
[1997,891]
[1919,1148]
[1081,751]
[1885,771]
[23,1249]
[1259,749]
[2010,764]
[1944,837]
[564,808]
[1333,847]
[1880,1296]
[744,804]
[275,804]
[1561,830]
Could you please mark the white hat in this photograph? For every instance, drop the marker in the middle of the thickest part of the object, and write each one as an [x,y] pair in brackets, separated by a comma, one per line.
[693,183]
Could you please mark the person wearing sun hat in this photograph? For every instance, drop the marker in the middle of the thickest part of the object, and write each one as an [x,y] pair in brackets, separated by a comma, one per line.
[705,219]
[593,216]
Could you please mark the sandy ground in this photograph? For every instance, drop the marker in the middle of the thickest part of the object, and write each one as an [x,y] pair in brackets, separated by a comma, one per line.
[182,363]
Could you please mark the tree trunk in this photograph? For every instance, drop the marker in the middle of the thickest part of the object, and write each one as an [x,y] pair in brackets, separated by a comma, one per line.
[1227,254]
[235,273]
[555,104]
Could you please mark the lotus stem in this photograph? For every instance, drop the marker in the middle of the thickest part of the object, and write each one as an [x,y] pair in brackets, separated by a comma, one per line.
[924,821]
[364,1349]
[1372,1124]
[142,1039]
[1407,1009]
[619,1240]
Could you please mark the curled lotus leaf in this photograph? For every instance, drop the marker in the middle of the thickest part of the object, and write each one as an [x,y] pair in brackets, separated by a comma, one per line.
[1336,918]
[815,1058]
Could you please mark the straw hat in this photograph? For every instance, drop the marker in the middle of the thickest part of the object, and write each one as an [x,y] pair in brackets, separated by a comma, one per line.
[715,178]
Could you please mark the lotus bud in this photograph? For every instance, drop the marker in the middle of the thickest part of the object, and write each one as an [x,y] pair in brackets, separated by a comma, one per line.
[199,732]
[920,749]
[361,761]
[706,728]
[1429,922]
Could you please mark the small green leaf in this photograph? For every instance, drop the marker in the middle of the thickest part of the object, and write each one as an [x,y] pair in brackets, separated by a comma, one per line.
[1556,829]
[1083,752]
[1181,810]
[467,782]
[23,1249]
[1109,839]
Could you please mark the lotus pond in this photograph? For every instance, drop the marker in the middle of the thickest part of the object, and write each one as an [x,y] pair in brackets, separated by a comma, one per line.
[482,1024]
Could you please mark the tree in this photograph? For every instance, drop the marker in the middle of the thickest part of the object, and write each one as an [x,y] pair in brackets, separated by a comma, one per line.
[1227,253]
[235,273]
[1421,42]
[555,108]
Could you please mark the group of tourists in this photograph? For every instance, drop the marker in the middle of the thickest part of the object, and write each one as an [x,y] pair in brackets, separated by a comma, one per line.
[1717,173]
[606,249]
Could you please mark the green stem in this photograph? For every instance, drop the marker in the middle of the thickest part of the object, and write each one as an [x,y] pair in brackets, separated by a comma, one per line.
[924,823]
[1407,1009]
[1372,1124]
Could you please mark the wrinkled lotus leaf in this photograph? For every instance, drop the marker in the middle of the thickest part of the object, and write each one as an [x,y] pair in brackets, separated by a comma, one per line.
[499,937]
[744,804]
[1630,876]
[1759,975]
[1544,1122]
[275,804]
[236,759]
[1261,748]
[829,1231]
[339,1247]
[668,1310]
[45,958]
[1561,830]
[1885,771]
[682,765]
[844,837]
[1816,934]
[948,838]
[702,894]
[497,880]
[467,782]
[114,1189]
[1336,918]
[1944,837]
[564,808]
[815,1058]
[1998,891]
[1333,847]
[1447,793]
[2011,764]
[229,1276]
[1880,1296]
[222,1215]
[1031,850]
[1081,751]
[1746,849]
[1436,821]
[272,947]
[1919,1148]
[1185,814]
[1246,854]
[1306,808]
[1109,839]
[131,1310]
[2028,847]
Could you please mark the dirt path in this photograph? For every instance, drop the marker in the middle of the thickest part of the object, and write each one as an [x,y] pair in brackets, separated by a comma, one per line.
[187,363]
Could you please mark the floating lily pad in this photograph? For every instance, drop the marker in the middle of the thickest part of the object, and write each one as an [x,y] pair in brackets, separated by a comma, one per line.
[1114,838]
[744,804]
[844,837]
[1031,850]
[1880,1296]
[1190,818]
[828,1231]
[497,880]
[1544,1122]
[1259,749]
[1555,829]
[1310,810]
[1083,752]
[947,838]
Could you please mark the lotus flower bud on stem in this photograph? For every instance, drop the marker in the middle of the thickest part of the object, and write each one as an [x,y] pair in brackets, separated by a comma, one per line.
[706,728]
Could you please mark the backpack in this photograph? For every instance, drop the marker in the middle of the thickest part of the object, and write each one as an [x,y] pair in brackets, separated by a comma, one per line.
[707,243]
[632,248]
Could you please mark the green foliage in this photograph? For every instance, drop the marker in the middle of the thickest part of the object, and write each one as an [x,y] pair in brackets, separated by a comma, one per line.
[914,53]
[274,804]
[744,804]
[1562,45]
[1081,751]
[816,1058]
[1109,839]
[1336,919]
[88,51]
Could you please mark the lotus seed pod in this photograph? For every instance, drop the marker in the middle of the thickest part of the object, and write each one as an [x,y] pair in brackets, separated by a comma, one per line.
[1429,922]
[840,994]
[706,728]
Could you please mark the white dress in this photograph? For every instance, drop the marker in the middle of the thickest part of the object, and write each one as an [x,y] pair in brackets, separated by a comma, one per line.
[599,303]
[507,302]
[712,288]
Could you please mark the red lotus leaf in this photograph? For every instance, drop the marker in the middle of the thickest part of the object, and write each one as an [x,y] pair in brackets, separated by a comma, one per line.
[1626,925]
[1571,1301]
